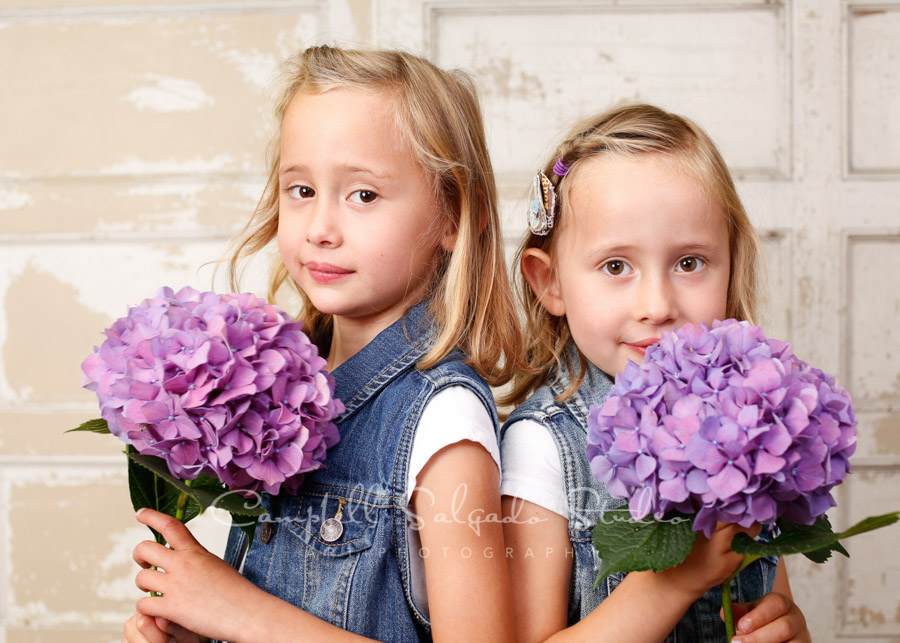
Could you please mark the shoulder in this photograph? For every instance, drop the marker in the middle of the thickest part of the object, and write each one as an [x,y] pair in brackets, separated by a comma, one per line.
[539,407]
[453,372]
[455,401]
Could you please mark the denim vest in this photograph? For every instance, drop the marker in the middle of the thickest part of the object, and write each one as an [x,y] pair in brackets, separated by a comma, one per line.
[588,500]
[360,579]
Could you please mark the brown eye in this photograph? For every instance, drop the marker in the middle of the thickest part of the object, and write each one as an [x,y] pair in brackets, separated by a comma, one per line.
[301,192]
[363,196]
[615,267]
[689,264]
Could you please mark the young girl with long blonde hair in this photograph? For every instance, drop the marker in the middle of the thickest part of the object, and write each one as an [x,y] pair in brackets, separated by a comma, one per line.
[635,229]
[381,198]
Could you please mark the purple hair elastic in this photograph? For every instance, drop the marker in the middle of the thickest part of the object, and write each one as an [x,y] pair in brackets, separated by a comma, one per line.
[559,169]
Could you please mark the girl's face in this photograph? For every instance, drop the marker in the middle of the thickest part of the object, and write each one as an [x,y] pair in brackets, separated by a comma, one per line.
[358,225]
[642,250]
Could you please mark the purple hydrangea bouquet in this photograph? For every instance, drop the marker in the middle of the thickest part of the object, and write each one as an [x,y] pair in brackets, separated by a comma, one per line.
[721,424]
[217,397]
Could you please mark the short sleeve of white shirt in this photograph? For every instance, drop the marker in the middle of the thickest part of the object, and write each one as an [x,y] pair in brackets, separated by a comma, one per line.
[454,414]
[531,467]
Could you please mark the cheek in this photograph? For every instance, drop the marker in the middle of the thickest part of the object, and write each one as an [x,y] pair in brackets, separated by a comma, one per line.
[717,302]
[284,239]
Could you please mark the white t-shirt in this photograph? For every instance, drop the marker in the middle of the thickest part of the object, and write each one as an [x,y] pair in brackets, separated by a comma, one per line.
[454,414]
[531,467]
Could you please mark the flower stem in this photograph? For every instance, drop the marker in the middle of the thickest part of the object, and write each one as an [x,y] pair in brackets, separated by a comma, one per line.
[180,506]
[727,611]
[182,503]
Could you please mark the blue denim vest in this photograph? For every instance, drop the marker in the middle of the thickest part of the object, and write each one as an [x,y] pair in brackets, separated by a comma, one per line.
[359,581]
[588,500]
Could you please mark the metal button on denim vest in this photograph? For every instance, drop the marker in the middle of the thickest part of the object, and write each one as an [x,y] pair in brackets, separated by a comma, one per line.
[588,500]
[338,549]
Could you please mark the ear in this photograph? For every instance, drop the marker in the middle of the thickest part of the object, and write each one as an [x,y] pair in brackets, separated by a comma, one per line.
[537,268]
[448,239]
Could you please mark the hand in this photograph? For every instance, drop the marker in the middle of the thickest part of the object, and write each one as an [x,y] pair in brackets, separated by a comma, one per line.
[146,629]
[774,618]
[710,562]
[199,590]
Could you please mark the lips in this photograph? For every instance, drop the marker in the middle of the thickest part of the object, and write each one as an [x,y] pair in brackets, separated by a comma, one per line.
[642,345]
[325,273]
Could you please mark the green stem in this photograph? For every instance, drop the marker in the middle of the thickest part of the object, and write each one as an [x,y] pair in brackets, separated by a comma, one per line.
[727,611]
[182,503]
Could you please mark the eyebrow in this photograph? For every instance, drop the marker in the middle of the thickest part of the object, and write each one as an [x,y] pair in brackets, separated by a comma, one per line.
[349,169]
[606,251]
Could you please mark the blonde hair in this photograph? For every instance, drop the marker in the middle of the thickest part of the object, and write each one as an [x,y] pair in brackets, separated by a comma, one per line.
[631,130]
[438,113]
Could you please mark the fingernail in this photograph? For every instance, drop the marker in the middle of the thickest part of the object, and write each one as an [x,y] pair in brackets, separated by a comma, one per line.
[743,626]
[139,511]
[736,639]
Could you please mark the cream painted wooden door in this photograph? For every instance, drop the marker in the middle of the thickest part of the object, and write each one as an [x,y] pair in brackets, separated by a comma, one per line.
[131,148]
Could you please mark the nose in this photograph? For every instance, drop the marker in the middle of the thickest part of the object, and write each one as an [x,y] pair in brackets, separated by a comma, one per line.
[657,301]
[323,226]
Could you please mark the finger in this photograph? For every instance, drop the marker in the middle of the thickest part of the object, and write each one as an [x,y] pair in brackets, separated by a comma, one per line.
[737,610]
[153,606]
[775,632]
[151,554]
[769,608]
[150,580]
[174,629]
[174,531]
[147,627]
[130,633]
[752,531]
[135,631]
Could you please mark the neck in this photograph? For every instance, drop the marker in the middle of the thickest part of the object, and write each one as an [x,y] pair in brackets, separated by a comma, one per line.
[350,335]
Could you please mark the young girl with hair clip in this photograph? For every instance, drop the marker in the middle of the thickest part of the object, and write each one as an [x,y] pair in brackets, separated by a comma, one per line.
[381,197]
[636,229]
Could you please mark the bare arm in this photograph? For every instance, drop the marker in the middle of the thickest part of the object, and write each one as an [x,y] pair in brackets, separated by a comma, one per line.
[644,607]
[457,503]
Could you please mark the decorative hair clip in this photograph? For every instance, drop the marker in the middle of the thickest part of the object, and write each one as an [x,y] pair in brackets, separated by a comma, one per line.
[543,205]
[559,169]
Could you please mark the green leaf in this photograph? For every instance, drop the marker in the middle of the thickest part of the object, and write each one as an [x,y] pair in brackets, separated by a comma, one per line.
[816,541]
[821,525]
[870,523]
[97,425]
[205,492]
[247,524]
[626,545]
[150,490]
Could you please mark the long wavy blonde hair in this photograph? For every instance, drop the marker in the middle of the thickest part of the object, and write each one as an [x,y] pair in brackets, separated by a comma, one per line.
[631,130]
[437,112]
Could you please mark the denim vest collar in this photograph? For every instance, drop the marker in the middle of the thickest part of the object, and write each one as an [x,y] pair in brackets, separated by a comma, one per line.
[396,347]
[593,388]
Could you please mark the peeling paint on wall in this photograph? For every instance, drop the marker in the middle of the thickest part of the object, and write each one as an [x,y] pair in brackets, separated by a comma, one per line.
[168,94]
[887,435]
[14,199]
[41,362]
[132,165]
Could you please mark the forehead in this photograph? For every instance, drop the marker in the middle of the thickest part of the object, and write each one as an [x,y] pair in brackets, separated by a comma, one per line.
[615,182]
[354,123]
[635,199]
[353,107]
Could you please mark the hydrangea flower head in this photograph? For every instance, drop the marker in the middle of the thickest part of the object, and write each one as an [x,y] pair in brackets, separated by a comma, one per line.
[226,385]
[726,424]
